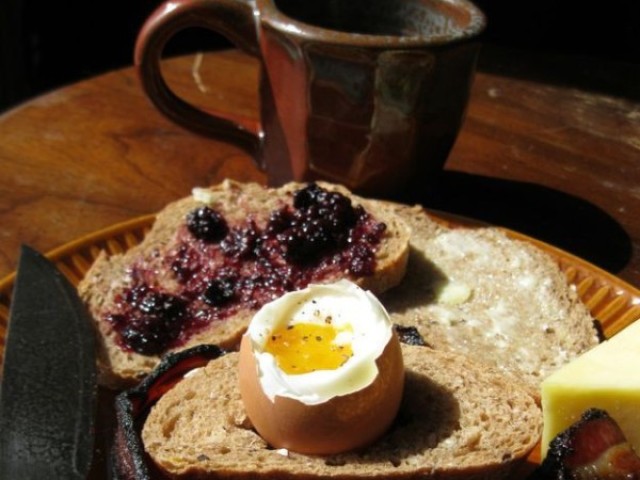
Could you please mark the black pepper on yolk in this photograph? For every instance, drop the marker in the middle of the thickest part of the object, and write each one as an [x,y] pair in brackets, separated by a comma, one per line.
[306,347]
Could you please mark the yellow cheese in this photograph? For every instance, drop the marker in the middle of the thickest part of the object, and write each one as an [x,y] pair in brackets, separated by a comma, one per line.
[606,377]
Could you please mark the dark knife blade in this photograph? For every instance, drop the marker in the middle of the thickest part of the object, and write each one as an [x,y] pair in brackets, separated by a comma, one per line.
[48,392]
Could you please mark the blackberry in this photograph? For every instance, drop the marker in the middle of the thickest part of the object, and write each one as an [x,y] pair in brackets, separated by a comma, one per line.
[147,338]
[409,335]
[321,224]
[242,243]
[220,291]
[153,323]
[279,221]
[307,196]
[305,245]
[207,225]
[316,201]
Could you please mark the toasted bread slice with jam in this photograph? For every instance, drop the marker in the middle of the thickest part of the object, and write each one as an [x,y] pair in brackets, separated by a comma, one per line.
[213,258]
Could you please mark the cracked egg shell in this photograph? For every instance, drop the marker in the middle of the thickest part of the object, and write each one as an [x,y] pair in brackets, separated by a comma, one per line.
[346,415]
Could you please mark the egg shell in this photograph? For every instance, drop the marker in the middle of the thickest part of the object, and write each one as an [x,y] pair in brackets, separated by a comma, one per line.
[338,425]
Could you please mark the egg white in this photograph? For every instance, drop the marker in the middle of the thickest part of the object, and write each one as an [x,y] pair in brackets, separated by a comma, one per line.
[356,314]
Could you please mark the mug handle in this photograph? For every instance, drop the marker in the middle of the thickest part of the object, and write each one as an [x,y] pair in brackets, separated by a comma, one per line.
[234,19]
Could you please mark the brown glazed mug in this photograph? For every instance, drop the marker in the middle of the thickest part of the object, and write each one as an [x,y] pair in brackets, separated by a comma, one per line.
[367,93]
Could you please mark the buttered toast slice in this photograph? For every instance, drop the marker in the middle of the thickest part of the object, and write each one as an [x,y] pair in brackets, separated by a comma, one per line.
[498,300]
[213,258]
[458,419]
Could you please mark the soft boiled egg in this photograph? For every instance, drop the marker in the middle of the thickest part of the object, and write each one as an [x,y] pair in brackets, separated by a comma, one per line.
[321,370]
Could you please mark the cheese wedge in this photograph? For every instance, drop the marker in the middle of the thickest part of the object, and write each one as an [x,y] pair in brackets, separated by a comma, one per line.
[606,377]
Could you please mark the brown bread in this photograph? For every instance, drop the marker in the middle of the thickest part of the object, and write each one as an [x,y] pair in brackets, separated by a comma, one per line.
[458,420]
[109,275]
[499,300]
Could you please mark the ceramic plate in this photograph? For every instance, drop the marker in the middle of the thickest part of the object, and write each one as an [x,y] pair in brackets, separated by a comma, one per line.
[612,301]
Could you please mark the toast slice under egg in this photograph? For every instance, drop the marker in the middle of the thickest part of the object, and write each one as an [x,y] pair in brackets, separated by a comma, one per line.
[458,419]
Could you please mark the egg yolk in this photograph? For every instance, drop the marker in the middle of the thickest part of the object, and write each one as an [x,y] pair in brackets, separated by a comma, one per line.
[306,347]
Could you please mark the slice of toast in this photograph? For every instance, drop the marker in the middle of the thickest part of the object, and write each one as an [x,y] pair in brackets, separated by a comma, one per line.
[458,419]
[160,265]
[498,300]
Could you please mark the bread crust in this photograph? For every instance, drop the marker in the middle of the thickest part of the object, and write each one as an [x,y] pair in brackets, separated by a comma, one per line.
[109,275]
[458,419]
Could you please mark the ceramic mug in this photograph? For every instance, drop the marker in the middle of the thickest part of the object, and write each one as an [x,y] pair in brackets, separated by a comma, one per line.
[367,93]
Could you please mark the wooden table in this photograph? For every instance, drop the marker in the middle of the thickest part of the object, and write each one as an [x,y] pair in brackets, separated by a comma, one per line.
[558,163]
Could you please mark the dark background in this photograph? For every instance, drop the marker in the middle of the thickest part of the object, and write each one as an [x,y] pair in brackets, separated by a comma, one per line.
[45,44]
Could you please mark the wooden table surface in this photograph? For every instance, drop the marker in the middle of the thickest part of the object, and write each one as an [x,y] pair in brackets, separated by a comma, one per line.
[559,163]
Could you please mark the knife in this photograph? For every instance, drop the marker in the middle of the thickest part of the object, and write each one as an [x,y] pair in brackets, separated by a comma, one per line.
[48,391]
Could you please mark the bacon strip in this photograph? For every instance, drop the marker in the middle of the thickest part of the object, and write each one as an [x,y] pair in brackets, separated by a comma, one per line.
[593,448]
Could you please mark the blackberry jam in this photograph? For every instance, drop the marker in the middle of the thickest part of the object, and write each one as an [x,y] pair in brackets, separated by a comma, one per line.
[153,320]
[215,268]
